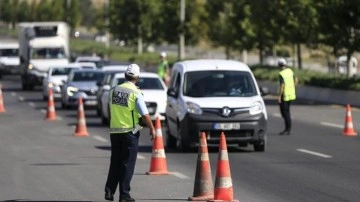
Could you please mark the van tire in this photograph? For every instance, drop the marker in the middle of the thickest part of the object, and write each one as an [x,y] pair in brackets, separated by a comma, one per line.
[181,143]
[259,146]
[170,140]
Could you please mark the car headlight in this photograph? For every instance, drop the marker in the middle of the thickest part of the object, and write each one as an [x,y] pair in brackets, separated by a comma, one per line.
[256,108]
[193,108]
[30,66]
[71,90]
[51,85]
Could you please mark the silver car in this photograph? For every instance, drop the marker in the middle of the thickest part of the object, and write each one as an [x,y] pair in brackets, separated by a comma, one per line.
[81,83]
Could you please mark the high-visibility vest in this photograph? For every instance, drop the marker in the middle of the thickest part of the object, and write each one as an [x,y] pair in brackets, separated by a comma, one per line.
[289,84]
[123,113]
[161,70]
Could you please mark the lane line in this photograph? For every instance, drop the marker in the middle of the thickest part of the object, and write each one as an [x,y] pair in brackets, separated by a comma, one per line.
[31,104]
[21,98]
[332,124]
[277,114]
[180,175]
[314,153]
[101,139]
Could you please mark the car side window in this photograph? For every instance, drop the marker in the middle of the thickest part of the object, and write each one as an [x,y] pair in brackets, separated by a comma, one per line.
[177,83]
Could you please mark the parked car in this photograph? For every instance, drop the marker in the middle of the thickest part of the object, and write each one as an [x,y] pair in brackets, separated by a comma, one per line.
[153,89]
[214,96]
[81,83]
[55,77]
[98,61]
[109,72]
[87,65]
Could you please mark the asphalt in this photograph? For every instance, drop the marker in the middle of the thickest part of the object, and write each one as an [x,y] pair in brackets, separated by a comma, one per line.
[42,161]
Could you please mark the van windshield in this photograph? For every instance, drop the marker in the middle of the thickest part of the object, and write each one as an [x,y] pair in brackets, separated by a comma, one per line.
[219,84]
[9,52]
[48,53]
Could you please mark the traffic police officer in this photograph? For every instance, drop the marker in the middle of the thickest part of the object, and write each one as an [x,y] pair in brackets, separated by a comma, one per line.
[127,106]
[163,68]
[286,93]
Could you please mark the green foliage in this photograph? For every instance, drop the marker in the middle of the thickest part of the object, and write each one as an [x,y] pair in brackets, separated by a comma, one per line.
[308,77]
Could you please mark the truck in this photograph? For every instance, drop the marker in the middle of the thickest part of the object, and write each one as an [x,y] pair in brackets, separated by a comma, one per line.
[9,57]
[41,45]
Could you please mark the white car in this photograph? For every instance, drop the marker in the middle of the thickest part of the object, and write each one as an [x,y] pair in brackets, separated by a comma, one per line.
[87,65]
[55,78]
[98,61]
[153,89]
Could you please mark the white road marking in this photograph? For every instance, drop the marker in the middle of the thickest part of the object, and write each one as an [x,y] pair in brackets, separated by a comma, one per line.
[43,111]
[179,175]
[13,94]
[332,124]
[31,104]
[59,118]
[139,156]
[21,98]
[314,153]
[101,139]
[277,114]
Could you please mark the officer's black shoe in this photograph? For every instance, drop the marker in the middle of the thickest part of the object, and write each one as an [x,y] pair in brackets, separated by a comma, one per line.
[127,199]
[283,132]
[108,195]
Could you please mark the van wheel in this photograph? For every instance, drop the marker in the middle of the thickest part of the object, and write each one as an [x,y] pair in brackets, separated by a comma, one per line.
[259,146]
[170,140]
[181,143]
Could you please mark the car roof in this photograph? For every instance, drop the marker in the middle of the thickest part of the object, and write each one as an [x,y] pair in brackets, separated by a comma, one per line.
[70,65]
[114,67]
[88,58]
[212,64]
[142,75]
[87,70]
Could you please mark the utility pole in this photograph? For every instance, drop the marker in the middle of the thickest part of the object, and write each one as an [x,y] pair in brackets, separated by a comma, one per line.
[182,31]
[107,23]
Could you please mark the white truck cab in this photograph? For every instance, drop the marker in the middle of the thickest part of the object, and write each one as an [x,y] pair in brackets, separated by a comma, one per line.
[42,44]
[214,96]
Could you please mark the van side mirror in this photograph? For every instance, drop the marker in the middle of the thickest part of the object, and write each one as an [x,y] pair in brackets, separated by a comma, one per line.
[106,87]
[99,83]
[172,92]
[264,90]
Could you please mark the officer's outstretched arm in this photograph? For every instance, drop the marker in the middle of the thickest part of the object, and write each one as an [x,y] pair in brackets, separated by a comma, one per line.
[147,120]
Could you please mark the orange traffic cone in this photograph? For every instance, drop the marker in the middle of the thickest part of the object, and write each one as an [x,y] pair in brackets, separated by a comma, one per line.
[349,127]
[223,183]
[2,108]
[158,164]
[81,126]
[203,186]
[50,114]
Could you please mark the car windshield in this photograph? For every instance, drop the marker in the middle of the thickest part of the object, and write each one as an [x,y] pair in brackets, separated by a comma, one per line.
[60,71]
[87,76]
[47,53]
[145,83]
[219,84]
[9,52]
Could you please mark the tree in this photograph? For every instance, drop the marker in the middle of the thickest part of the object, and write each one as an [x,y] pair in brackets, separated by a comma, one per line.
[73,14]
[24,11]
[132,20]
[339,27]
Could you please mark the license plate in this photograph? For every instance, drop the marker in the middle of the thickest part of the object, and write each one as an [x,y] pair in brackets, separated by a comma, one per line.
[90,102]
[227,126]
[151,110]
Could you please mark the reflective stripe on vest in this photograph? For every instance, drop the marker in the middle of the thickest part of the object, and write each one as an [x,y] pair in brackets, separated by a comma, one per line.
[289,84]
[123,113]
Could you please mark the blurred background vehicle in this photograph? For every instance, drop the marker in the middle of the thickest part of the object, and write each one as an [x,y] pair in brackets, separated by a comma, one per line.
[9,57]
[81,83]
[55,79]
[98,61]
[153,89]
[341,65]
[87,65]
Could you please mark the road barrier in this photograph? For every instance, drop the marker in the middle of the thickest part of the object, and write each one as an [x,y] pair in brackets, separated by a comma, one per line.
[158,165]
[349,127]
[50,114]
[203,186]
[81,130]
[223,183]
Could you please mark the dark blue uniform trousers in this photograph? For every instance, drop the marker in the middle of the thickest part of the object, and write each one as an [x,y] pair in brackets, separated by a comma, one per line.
[124,149]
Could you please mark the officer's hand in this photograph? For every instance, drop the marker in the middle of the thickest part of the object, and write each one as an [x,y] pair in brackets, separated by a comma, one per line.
[152,134]
[279,99]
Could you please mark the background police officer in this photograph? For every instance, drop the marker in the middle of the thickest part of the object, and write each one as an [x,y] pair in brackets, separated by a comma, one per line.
[163,68]
[127,106]
[286,93]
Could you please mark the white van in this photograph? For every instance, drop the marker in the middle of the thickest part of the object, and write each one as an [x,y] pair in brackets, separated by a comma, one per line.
[9,57]
[214,96]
